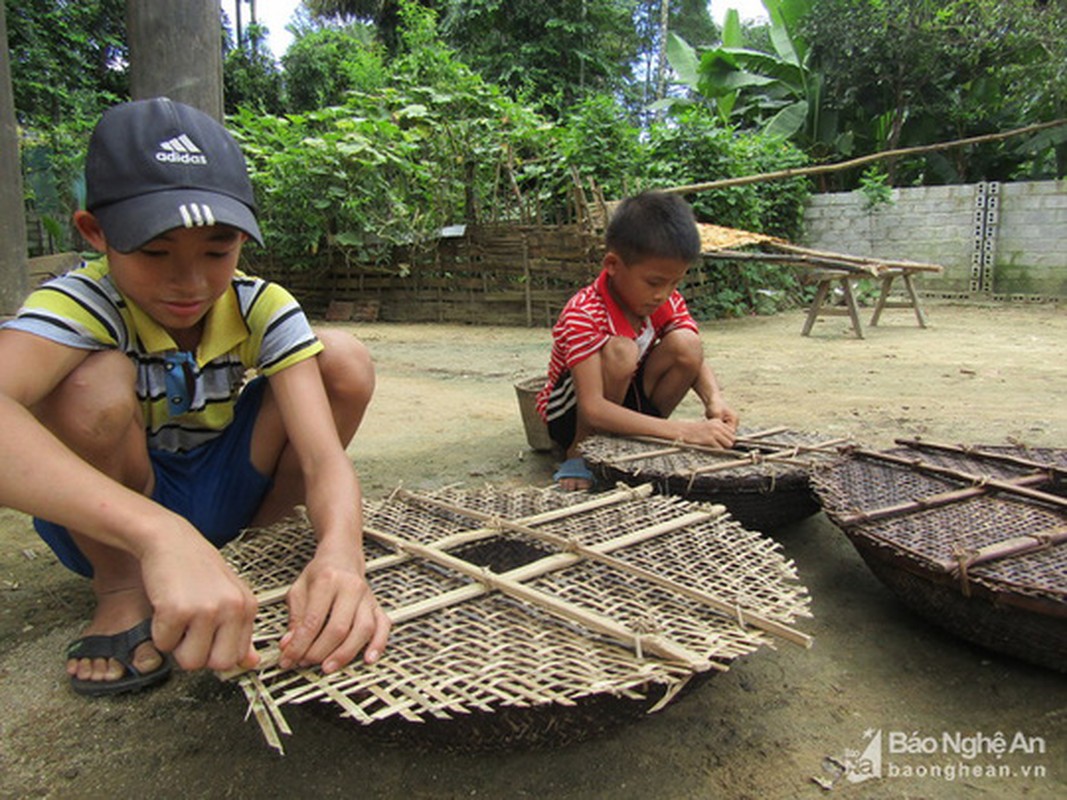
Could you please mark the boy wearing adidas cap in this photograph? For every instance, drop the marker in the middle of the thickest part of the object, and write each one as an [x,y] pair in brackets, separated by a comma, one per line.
[131,435]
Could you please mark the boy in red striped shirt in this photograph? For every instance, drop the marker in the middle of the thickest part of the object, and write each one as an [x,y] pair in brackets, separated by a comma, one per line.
[625,350]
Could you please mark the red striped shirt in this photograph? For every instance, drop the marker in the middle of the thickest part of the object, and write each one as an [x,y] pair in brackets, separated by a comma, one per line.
[590,318]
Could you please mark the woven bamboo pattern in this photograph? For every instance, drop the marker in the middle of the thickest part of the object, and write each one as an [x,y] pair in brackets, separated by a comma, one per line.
[531,600]
[762,480]
[971,537]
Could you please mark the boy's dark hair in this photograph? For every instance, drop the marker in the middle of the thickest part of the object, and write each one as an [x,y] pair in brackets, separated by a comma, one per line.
[653,225]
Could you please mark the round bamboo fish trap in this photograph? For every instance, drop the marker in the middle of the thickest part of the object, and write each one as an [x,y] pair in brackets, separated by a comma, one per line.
[972,538]
[526,617]
[762,480]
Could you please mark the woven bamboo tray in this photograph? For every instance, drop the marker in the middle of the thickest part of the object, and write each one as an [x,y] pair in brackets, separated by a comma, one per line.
[526,617]
[762,480]
[973,538]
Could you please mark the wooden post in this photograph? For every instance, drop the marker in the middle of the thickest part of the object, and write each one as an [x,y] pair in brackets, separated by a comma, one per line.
[176,52]
[12,209]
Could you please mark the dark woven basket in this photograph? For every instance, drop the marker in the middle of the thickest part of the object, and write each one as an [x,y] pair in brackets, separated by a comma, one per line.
[919,526]
[762,494]
[503,728]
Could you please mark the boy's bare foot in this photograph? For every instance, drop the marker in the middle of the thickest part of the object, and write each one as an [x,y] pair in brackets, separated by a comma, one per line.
[102,671]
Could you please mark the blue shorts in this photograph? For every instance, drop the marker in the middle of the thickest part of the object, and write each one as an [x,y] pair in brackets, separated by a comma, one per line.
[215,486]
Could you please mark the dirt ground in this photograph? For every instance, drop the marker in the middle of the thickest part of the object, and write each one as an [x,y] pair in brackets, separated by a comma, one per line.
[776,725]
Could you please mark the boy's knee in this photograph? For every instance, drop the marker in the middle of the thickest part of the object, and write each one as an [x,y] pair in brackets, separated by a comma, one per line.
[96,404]
[619,357]
[347,367]
[685,347]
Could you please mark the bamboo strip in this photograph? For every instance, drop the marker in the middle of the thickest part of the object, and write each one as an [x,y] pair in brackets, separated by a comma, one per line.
[765,433]
[269,656]
[926,503]
[599,501]
[539,567]
[742,458]
[1008,486]
[598,554]
[985,455]
[658,645]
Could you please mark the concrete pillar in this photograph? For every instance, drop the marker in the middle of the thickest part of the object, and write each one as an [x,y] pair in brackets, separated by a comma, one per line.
[12,209]
[176,52]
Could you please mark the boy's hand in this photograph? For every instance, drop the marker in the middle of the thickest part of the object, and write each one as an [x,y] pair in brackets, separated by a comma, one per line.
[717,409]
[332,616]
[707,432]
[202,612]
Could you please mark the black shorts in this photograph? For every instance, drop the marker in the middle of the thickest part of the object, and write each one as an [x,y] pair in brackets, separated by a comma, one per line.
[563,427]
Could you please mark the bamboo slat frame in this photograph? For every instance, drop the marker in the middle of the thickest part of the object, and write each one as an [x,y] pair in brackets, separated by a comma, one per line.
[762,479]
[556,585]
[996,484]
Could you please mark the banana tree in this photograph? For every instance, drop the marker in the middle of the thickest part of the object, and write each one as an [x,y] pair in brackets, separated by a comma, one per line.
[779,92]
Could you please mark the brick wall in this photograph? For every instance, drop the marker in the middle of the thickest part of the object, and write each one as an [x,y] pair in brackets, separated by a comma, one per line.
[993,239]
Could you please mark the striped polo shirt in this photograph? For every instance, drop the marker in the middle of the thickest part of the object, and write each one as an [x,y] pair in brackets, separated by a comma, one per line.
[187,398]
[585,324]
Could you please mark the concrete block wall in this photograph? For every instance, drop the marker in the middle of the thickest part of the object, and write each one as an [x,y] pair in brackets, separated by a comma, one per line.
[992,239]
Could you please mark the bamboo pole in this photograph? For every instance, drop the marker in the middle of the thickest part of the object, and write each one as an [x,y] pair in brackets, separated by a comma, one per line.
[600,555]
[984,455]
[890,263]
[795,261]
[926,503]
[1015,546]
[979,481]
[862,160]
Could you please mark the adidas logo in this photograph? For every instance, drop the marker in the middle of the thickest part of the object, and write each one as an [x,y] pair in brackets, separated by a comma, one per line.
[180,150]
[195,215]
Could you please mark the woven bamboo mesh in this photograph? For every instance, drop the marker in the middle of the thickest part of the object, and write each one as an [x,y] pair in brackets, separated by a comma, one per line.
[513,600]
[762,480]
[971,537]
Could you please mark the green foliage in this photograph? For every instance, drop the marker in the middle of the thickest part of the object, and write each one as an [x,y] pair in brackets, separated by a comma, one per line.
[67,65]
[693,148]
[251,80]
[874,185]
[323,65]
[67,58]
[553,50]
[393,162]
[598,141]
[917,71]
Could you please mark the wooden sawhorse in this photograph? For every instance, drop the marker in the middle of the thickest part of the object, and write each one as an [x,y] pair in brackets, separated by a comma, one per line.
[826,278]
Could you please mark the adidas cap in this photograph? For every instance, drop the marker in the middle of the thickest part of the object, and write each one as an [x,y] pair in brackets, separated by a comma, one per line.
[155,165]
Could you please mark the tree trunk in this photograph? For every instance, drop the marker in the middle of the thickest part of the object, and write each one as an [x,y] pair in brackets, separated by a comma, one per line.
[12,209]
[176,52]
[664,27]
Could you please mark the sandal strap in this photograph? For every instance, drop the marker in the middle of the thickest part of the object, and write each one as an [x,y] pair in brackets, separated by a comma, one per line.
[119,646]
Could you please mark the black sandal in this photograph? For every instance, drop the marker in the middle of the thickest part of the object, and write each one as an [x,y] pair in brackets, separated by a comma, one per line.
[119,646]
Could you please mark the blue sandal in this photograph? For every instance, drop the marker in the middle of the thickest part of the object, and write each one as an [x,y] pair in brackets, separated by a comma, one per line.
[576,469]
